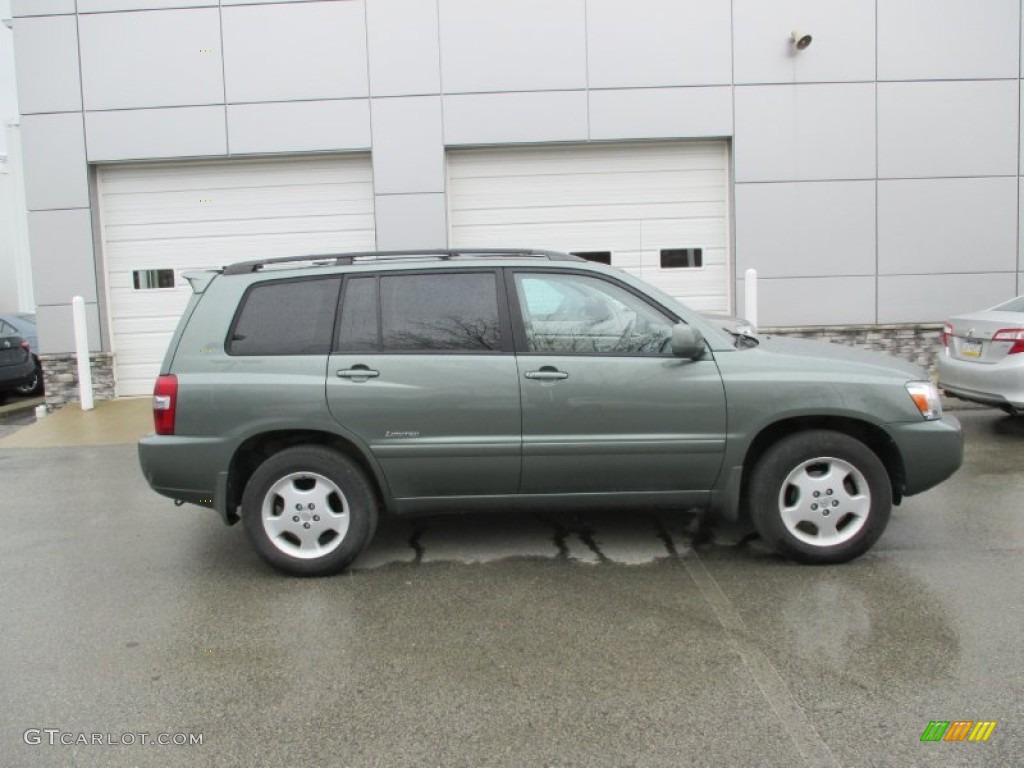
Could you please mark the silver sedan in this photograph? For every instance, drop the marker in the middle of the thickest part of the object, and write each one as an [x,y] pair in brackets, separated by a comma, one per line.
[983,357]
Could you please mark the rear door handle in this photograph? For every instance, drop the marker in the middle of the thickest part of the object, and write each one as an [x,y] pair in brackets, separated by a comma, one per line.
[358,372]
[547,373]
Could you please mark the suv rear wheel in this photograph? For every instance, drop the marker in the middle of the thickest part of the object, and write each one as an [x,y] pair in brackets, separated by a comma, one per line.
[820,497]
[309,511]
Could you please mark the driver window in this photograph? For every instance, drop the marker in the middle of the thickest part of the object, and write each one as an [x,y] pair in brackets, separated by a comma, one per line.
[577,314]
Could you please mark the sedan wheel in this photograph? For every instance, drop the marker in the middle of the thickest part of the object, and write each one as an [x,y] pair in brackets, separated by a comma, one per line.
[309,511]
[33,386]
[820,497]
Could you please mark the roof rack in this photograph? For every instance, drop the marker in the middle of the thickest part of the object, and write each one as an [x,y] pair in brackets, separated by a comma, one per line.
[445,254]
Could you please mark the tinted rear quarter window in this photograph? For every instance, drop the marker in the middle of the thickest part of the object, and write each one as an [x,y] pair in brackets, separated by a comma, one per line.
[288,317]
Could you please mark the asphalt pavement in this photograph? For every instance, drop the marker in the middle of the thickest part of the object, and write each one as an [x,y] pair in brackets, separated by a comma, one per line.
[622,639]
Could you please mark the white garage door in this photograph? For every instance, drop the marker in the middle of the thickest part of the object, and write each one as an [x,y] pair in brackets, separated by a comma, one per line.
[660,209]
[160,219]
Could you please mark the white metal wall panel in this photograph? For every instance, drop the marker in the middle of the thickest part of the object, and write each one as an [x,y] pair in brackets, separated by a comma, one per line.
[186,216]
[631,199]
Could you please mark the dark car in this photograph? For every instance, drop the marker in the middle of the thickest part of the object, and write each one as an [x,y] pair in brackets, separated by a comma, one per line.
[17,366]
[24,324]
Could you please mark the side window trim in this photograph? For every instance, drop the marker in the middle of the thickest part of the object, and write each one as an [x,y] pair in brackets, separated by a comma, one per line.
[519,326]
[338,316]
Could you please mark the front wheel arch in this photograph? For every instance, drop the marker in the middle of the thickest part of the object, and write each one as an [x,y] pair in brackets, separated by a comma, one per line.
[872,436]
[819,496]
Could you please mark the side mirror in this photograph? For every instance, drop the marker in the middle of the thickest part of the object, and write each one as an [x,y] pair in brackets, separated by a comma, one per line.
[687,342]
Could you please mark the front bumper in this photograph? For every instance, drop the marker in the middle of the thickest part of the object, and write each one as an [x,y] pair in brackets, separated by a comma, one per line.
[931,451]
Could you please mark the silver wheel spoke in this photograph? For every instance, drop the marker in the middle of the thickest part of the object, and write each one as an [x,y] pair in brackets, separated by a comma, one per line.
[824,501]
[305,515]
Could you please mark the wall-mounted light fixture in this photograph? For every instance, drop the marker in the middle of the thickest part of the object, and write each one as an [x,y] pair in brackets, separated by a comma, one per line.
[800,39]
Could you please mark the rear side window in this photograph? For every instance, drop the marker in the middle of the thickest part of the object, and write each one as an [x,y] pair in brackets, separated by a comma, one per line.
[290,317]
[445,312]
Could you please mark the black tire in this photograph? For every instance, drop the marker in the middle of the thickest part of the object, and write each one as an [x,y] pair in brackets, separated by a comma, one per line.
[847,516]
[34,386]
[332,499]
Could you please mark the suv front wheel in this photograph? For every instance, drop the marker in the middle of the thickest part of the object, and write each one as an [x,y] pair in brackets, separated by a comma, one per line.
[820,497]
[309,511]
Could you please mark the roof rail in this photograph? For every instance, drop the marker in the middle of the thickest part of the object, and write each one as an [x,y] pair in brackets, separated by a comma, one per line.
[444,254]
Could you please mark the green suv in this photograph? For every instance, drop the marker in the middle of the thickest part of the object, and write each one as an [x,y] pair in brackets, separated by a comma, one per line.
[308,396]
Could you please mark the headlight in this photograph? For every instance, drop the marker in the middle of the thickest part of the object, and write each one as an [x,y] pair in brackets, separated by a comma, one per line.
[926,397]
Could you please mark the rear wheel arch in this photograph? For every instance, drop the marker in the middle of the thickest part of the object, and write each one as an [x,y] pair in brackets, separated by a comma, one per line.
[258,448]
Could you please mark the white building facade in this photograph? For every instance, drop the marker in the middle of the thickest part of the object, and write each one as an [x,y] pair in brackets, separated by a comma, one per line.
[872,178]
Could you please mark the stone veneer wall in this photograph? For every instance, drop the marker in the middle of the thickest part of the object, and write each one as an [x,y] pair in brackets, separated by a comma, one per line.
[919,344]
[60,376]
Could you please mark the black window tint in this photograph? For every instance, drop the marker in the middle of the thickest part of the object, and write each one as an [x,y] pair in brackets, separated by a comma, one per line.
[682,258]
[358,332]
[454,312]
[286,318]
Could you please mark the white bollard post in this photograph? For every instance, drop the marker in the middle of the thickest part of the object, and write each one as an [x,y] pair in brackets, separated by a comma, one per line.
[82,352]
[750,297]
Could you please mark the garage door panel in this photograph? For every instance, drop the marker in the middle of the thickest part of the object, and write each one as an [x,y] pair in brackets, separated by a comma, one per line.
[164,178]
[133,313]
[704,233]
[590,213]
[216,252]
[592,159]
[153,219]
[165,232]
[632,200]
[208,206]
[584,236]
[656,189]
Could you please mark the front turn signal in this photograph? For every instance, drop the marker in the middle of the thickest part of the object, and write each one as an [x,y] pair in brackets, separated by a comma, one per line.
[926,397]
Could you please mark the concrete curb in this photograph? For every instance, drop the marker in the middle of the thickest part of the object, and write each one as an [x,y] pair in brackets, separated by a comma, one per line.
[21,405]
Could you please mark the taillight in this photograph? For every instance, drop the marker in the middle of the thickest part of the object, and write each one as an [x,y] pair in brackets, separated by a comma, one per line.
[1016,335]
[947,334]
[165,403]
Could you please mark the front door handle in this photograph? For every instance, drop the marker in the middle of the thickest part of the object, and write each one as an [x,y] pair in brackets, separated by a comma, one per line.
[358,372]
[547,373]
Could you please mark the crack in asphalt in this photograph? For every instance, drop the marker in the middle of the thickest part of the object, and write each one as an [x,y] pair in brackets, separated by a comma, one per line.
[586,535]
[416,543]
[665,536]
[560,537]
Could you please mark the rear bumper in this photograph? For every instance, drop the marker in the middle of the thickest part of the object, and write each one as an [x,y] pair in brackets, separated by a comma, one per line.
[14,376]
[1000,384]
[931,451]
[188,469]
